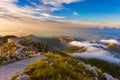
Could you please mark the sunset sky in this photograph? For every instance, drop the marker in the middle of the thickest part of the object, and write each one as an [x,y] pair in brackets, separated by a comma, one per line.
[50,16]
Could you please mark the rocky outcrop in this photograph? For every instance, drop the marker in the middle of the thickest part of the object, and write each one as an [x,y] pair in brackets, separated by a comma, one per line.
[23,77]
[21,48]
[108,76]
[89,67]
[66,39]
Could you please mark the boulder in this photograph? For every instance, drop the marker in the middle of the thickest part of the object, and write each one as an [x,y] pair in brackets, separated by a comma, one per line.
[23,77]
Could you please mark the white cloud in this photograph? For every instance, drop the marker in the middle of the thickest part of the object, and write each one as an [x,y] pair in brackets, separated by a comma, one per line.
[12,11]
[58,3]
[51,16]
[111,41]
[95,52]
[75,13]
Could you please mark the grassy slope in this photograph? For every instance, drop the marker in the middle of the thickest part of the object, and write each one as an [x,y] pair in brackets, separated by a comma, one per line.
[112,69]
[57,67]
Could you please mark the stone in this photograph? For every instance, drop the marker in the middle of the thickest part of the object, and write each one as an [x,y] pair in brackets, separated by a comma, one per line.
[23,77]
[108,76]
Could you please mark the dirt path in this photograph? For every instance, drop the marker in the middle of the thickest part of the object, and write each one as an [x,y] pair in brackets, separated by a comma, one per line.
[7,71]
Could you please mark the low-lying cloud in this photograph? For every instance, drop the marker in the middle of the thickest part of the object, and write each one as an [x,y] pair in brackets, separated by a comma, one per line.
[110,41]
[94,50]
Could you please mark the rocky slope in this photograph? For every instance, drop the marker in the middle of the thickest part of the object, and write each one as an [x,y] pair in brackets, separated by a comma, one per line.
[20,48]
[59,43]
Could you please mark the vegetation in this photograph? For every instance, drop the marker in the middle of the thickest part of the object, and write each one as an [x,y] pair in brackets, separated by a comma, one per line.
[110,68]
[7,49]
[31,53]
[74,49]
[28,48]
[57,67]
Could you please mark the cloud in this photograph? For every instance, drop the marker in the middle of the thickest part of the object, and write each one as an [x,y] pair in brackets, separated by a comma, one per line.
[111,41]
[10,11]
[58,3]
[75,13]
[13,32]
[13,11]
[95,52]
[51,16]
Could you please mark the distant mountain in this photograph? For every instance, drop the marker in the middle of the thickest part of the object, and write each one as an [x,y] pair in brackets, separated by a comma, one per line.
[58,43]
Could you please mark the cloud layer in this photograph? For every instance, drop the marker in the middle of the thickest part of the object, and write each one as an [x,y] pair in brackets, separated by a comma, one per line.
[34,10]
[58,3]
[95,52]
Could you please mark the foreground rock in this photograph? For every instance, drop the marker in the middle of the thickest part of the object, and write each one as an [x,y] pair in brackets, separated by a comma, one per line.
[108,76]
[23,77]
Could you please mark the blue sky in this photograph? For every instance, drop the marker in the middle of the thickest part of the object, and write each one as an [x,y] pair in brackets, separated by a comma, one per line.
[80,10]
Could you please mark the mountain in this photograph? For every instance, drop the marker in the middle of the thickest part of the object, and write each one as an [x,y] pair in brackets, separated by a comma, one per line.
[58,43]
[56,65]
[20,48]
[3,39]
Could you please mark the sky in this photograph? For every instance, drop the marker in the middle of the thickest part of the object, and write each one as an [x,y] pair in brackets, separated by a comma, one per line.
[51,16]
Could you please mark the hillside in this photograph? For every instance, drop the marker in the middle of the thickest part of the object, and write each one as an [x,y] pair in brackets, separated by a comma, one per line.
[20,48]
[3,39]
[59,43]
[58,67]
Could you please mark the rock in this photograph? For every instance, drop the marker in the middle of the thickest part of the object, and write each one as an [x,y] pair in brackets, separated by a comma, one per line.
[23,77]
[66,62]
[51,64]
[84,73]
[95,78]
[89,67]
[108,76]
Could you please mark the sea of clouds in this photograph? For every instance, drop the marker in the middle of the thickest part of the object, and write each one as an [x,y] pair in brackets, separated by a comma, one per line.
[94,50]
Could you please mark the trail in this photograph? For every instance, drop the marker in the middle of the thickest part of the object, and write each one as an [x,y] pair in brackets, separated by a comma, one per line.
[7,71]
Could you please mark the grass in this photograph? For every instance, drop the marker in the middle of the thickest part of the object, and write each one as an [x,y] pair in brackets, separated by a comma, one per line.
[74,49]
[57,67]
[110,68]
[7,49]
